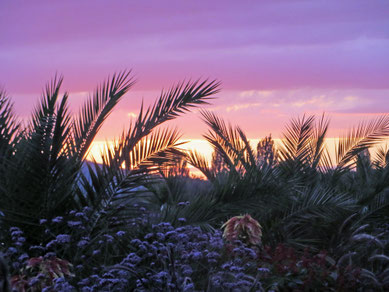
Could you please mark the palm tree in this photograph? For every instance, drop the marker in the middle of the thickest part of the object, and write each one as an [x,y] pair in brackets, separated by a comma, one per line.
[306,194]
[44,172]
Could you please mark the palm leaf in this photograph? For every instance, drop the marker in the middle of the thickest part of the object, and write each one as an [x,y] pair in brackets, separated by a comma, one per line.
[42,118]
[9,126]
[155,149]
[250,160]
[197,160]
[382,157]
[318,145]
[228,142]
[179,99]
[139,152]
[359,139]
[97,108]
[296,145]
[313,211]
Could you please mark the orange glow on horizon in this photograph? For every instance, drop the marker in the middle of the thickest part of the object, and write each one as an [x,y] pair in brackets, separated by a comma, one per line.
[204,148]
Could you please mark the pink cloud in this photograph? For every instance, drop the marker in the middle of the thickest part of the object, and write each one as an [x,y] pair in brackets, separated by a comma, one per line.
[293,56]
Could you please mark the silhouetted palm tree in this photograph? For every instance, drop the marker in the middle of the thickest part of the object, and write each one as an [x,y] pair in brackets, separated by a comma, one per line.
[306,194]
[43,167]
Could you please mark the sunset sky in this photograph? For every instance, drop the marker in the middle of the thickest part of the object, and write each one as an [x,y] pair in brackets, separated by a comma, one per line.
[276,59]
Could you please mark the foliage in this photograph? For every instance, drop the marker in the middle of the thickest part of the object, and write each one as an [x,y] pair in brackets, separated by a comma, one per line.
[139,222]
[166,258]
[44,169]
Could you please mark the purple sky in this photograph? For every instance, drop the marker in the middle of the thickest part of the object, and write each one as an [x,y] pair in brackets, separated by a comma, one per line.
[276,59]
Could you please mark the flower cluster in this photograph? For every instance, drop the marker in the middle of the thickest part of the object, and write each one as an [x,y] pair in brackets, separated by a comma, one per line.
[183,258]
[154,257]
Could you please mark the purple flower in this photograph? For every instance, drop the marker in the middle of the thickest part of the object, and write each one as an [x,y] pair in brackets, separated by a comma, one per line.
[183,237]
[189,287]
[50,255]
[42,221]
[160,236]
[22,239]
[196,255]
[133,258]
[12,250]
[181,220]
[33,281]
[51,243]
[23,257]
[58,219]
[171,233]
[63,238]
[187,270]
[120,233]
[87,209]
[82,243]
[16,233]
[16,265]
[162,274]
[84,282]
[236,269]
[74,223]
[226,266]
[263,270]
[136,241]
[108,237]
[149,235]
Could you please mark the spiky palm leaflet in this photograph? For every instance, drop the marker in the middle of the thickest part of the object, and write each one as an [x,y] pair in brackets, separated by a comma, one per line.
[47,174]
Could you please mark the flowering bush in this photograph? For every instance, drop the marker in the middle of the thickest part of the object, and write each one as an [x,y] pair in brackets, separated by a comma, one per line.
[161,257]
[183,259]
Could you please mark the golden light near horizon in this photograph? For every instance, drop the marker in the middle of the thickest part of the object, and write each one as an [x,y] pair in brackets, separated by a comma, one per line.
[205,149]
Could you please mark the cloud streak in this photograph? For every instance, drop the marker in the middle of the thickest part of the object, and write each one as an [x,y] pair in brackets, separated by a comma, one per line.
[275,58]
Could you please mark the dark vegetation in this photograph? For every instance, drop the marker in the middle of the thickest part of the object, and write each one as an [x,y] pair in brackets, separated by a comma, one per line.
[138,222]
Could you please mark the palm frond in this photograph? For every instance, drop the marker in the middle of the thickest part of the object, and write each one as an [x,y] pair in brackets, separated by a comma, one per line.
[42,118]
[227,154]
[179,99]
[318,146]
[156,149]
[197,160]
[316,209]
[140,151]
[296,145]
[61,132]
[382,157]
[9,125]
[228,142]
[359,139]
[247,149]
[97,109]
